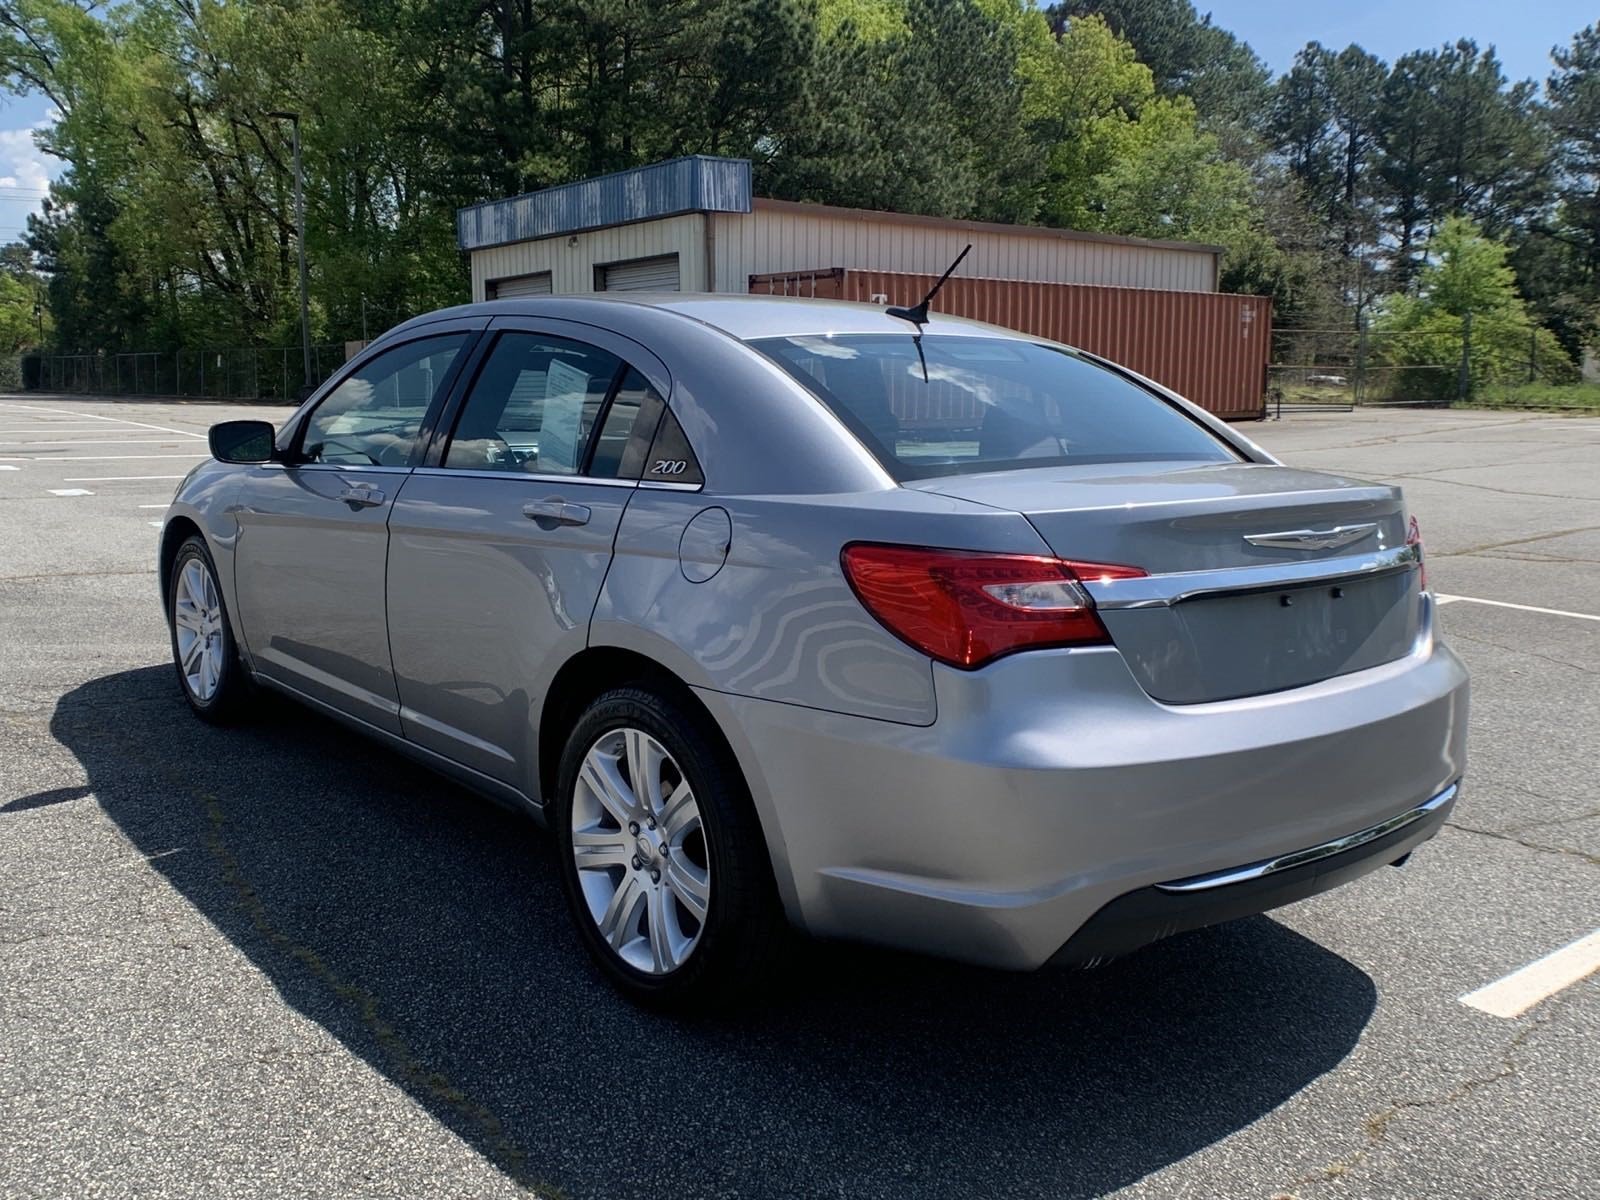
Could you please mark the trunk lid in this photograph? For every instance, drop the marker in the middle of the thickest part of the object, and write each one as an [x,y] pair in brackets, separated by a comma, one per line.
[1261,577]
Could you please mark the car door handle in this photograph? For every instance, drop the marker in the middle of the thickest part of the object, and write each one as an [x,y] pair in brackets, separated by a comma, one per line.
[362,496]
[556,512]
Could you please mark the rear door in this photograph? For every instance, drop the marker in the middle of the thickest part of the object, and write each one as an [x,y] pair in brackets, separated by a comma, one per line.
[501,540]
[313,536]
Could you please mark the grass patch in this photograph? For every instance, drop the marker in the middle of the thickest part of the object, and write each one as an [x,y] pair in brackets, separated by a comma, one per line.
[1576,397]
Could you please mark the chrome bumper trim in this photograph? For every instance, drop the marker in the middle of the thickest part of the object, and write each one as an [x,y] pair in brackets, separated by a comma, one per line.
[1299,858]
[1161,591]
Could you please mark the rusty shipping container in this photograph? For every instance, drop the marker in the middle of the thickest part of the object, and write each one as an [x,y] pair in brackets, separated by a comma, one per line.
[813,285]
[1210,347]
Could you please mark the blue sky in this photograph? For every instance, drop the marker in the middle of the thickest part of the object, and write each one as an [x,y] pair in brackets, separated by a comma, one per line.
[1522,33]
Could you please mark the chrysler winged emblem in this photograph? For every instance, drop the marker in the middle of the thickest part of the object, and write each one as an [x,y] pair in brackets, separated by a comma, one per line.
[1312,539]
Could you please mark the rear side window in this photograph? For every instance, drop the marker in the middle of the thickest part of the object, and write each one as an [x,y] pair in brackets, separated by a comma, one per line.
[534,407]
[986,404]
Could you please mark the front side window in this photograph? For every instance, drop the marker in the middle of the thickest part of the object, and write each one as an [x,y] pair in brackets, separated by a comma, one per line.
[373,417]
[972,404]
[534,407]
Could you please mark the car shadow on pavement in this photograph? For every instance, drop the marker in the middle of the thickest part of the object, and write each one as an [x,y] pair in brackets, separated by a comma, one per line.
[425,929]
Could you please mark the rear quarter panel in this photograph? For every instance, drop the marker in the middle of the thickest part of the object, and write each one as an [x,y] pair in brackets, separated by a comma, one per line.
[778,620]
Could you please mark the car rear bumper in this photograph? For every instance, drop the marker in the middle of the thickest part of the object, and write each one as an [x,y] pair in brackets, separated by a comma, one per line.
[1160,910]
[1051,785]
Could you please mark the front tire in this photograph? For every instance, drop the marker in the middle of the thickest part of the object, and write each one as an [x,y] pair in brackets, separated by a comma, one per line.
[204,652]
[662,860]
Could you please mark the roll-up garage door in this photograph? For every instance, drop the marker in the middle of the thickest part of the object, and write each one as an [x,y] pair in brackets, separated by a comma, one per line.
[641,275]
[522,285]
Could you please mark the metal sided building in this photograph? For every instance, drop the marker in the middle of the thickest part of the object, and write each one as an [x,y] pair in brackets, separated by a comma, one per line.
[694,224]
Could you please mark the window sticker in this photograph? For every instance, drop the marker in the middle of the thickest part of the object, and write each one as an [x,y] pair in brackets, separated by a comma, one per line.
[565,390]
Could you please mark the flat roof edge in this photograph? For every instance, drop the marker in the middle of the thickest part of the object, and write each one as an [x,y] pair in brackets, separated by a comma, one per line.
[693,183]
[769,204]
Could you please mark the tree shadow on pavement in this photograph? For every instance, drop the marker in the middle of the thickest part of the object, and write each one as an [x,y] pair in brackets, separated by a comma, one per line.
[426,930]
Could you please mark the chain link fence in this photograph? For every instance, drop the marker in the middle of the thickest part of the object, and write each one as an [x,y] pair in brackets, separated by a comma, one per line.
[1333,370]
[262,374]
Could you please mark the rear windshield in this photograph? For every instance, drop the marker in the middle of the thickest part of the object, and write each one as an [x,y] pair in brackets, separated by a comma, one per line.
[986,404]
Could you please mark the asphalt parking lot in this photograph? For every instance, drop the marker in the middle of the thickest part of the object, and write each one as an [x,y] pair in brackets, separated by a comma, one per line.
[281,962]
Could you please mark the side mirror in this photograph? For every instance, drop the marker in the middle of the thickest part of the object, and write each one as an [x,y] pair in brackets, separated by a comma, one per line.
[241,441]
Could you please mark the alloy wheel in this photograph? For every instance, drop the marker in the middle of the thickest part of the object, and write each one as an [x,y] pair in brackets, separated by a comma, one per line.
[197,623]
[644,869]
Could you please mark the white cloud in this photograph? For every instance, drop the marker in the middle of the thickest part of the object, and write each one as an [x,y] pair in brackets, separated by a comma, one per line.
[26,171]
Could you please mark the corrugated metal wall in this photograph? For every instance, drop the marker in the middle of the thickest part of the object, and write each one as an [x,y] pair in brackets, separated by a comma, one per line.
[697,183]
[1209,347]
[776,238]
[571,259]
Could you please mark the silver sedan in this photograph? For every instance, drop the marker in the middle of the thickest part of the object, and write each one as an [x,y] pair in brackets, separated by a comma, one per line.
[798,614]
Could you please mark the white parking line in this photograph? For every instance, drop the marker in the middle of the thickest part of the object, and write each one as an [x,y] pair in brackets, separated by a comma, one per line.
[102,457]
[95,417]
[1549,612]
[117,478]
[1522,989]
[70,492]
[49,428]
[138,441]
[8,467]
[155,506]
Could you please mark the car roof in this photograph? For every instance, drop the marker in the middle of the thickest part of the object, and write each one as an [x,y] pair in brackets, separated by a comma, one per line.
[747,317]
[740,316]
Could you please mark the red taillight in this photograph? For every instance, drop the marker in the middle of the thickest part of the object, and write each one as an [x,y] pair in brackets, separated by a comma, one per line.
[965,607]
[1414,538]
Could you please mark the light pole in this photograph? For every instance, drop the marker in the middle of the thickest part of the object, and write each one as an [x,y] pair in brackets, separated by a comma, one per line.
[300,238]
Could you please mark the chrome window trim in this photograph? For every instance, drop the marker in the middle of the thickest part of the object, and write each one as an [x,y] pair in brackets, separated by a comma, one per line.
[663,485]
[1159,591]
[473,473]
[1299,858]
[353,468]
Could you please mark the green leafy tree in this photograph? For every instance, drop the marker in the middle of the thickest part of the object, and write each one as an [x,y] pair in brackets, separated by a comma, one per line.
[1324,119]
[1187,55]
[872,20]
[1465,276]
[1455,138]
[18,330]
[1560,262]
[926,121]
[1169,180]
[1081,95]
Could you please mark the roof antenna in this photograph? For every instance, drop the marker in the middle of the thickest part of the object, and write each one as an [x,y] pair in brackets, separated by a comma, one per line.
[917,314]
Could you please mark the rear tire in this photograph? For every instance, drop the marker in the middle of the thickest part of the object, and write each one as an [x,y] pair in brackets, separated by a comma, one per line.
[210,673]
[675,899]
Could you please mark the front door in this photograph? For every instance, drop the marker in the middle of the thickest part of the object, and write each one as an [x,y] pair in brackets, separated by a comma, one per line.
[313,533]
[499,547]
